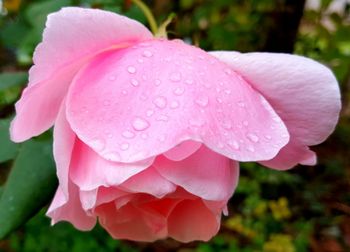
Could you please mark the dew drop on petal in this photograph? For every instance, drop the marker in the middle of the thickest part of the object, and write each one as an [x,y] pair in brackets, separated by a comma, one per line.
[268,137]
[160,102]
[245,123]
[140,124]
[131,69]
[179,90]
[147,54]
[234,144]
[134,82]
[128,134]
[174,104]
[189,82]
[202,101]
[98,144]
[253,137]
[124,146]
[113,155]
[157,82]
[163,118]
[149,112]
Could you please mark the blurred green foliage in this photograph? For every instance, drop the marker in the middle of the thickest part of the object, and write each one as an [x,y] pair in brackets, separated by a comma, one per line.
[306,209]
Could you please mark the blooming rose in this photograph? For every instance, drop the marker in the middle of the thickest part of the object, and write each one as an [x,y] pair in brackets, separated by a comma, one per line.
[148,132]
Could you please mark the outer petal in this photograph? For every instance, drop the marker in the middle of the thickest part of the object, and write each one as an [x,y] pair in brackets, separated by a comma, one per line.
[89,170]
[182,150]
[69,40]
[192,220]
[304,93]
[63,144]
[71,211]
[205,174]
[151,97]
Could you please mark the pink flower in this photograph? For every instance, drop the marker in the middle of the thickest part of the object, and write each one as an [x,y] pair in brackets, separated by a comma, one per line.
[148,132]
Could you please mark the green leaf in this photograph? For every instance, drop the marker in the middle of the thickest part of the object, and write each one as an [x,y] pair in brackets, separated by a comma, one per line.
[30,185]
[8,80]
[8,148]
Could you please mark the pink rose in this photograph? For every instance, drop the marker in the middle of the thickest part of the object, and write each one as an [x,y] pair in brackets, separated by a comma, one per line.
[148,132]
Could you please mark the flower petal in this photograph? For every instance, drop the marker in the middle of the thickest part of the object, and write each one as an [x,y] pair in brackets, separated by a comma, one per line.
[89,170]
[206,174]
[69,40]
[182,150]
[192,220]
[149,181]
[304,93]
[71,211]
[148,98]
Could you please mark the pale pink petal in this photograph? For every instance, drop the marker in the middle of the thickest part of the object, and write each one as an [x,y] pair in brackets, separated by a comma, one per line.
[72,36]
[149,98]
[63,144]
[192,220]
[304,93]
[206,174]
[291,155]
[182,150]
[89,170]
[71,211]
[149,181]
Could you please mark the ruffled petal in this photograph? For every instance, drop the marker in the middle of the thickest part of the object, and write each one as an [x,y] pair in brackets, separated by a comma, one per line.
[144,100]
[69,41]
[89,170]
[206,174]
[304,93]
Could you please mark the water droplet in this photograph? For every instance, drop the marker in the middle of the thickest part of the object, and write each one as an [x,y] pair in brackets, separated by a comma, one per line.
[140,124]
[98,144]
[149,112]
[124,146]
[245,123]
[227,91]
[162,118]
[189,82]
[160,102]
[174,104]
[131,69]
[202,101]
[113,156]
[134,82]
[219,100]
[276,119]
[253,137]
[147,54]
[234,144]
[140,61]
[124,92]
[157,82]
[268,137]
[128,134]
[175,77]
[179,90]
[112,78]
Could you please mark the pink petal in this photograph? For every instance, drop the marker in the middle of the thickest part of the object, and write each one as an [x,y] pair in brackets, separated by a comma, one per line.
[182,150]
[63,144]
[69,41]
[149,181]
[143,101]
[192,220]
[70,211]
[89,170]
[304,93]
[131,223]
[205,174]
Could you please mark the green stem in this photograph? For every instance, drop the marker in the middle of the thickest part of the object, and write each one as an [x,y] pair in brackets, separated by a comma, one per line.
[147,12]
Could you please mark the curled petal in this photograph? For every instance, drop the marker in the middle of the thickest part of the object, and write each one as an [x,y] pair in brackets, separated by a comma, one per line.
[146,101]
[304,93]
[69,41]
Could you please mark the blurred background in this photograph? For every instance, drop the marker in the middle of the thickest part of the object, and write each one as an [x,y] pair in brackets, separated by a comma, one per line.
[304,209]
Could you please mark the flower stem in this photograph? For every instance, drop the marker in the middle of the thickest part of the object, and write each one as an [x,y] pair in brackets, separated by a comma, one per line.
[147,12]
